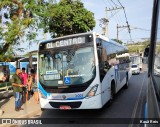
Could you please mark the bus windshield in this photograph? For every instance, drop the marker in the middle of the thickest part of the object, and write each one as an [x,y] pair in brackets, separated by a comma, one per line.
[77,65]
[135,60]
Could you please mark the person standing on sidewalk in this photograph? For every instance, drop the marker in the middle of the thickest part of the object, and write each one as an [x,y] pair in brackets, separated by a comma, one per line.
[29,82]
[34,86]
[17,88]
[24,76]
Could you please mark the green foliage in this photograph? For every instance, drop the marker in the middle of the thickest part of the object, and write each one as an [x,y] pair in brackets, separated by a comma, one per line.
[27,16]
[67,17]
[138,47]
[21,18]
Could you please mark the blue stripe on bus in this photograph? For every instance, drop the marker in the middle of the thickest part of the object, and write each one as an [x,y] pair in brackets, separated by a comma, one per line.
[145,111]
[42,90]
[74,98]
[48,94]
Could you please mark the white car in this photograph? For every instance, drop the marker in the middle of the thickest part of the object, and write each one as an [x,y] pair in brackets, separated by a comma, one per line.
[135,69]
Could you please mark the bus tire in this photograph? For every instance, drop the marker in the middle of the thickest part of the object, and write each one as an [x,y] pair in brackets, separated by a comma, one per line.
[127,84]
[112,92]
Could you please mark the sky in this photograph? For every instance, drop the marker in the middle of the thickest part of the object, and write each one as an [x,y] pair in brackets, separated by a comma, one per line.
[138,13]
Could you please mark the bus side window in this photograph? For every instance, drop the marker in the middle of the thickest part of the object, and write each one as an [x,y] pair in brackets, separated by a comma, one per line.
[103,64]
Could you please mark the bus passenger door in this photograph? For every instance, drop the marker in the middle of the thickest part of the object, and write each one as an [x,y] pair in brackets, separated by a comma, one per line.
[105,75]
[103,63]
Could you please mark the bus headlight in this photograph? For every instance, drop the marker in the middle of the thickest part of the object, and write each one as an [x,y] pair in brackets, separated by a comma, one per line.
[93,91]
[42,95]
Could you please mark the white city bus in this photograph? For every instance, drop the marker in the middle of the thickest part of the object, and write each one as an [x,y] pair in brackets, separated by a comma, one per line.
[80,71]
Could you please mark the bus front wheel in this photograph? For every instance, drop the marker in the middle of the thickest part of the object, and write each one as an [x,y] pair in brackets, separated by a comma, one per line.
[112,92]
[127,84]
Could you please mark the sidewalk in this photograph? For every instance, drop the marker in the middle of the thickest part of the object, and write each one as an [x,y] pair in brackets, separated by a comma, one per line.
[30,108]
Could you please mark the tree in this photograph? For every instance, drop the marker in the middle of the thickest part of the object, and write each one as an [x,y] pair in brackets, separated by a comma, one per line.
[67,17]
[25,17]
[119,41]
[20,18]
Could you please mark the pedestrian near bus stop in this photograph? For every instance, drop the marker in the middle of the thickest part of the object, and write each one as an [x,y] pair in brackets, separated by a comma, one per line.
[23,76]
[34,85]
[17,89]
[29,82]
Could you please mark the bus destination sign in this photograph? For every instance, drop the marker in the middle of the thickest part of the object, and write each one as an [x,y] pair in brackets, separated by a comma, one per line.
[65,42]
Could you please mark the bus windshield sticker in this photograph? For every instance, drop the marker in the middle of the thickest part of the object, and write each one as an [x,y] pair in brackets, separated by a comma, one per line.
[52,72]
[67,80]
[49,72]
[51,76]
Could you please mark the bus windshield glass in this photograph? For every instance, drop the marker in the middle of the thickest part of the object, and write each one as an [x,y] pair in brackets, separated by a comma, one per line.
[135,60]
[71,66]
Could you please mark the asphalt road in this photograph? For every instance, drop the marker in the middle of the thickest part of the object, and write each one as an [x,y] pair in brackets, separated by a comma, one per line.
[128,103]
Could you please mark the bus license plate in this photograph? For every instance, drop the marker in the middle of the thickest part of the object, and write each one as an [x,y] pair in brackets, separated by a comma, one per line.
[64,107]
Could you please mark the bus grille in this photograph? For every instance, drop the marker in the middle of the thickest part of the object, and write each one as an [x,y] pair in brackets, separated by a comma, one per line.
[71,104]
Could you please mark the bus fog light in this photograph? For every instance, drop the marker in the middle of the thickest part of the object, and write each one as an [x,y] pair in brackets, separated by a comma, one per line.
[93,91]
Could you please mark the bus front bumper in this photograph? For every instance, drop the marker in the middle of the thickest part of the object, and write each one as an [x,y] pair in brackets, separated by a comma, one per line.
[86,103]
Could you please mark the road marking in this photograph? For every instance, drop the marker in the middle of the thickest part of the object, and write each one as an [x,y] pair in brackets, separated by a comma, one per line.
[137,102]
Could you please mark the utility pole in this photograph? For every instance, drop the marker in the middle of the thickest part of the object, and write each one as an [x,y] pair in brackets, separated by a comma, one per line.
[107,35]
[118,27]
[105,21]
[104,25]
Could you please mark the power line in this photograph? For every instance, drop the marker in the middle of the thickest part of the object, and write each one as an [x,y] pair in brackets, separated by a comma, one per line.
[114,3]
[116,19]
[104,2]
[126,20]
[116,9]
[113,14]
[110,3]
[136,38]
[140,28]
[120,18]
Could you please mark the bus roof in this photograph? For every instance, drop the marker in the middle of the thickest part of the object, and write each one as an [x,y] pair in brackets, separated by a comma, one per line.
[79,34]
